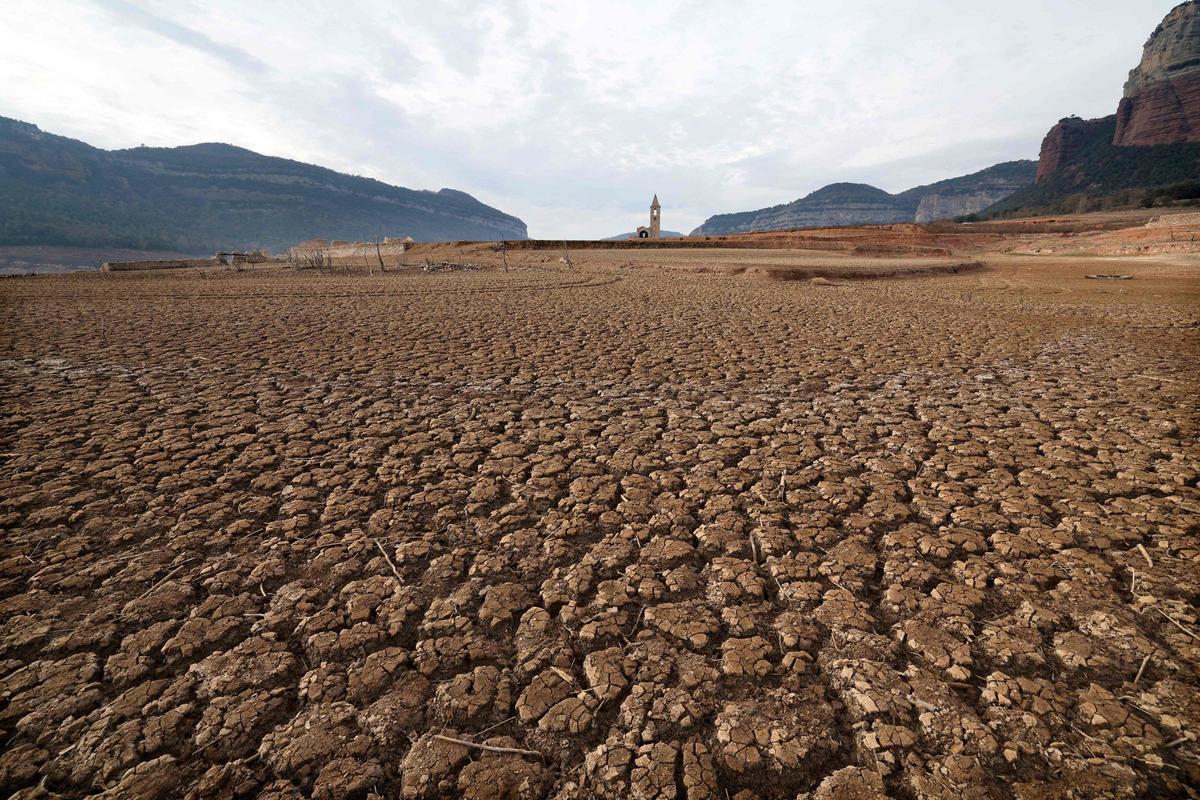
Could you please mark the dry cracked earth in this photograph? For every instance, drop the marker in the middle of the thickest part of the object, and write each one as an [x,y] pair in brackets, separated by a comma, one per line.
[281,536]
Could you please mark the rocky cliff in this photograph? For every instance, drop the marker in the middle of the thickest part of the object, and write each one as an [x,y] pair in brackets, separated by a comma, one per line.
[862,204]
[1091,173]
[1146,153]
[1064,142]
[1162,96]
[969,194]
[201,198]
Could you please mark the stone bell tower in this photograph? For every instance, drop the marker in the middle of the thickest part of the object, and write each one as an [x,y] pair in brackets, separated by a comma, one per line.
[655,218]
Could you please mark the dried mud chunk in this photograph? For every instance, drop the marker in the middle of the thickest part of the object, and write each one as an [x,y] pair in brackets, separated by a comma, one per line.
[399,711]
[1011,640]
[1104,781]
[1101,710]
[257,662]
[485,692]
[171,596]
[958,594]
[572,715]
[690,622]
[503,602]
[651,708]
[430,768]
[777,730]
[323,684]
[733,579]
[1104,640]
[870,688]
[938,648]
[135,659]
[503,777]
[849,783]
[21,764]
[211,624]
[45,685]
[226,781]
[608,766]
[452,652]
[233,723]
[366,681]
[748,657]
[653,776]
[150,780]
[851,563]
[742,620]
[951,777]
[795,566]
[885,741]
[346,777]
[644,582]
[664,551]
[335,645]
[607,672]
[545,690]
[949,542]
[539,643]
[699,772]
[318,734]
[840,609]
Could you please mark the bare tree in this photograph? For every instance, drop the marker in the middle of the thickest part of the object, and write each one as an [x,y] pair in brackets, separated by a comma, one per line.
[319,259]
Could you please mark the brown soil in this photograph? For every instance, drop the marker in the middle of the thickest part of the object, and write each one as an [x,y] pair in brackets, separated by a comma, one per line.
[643,534]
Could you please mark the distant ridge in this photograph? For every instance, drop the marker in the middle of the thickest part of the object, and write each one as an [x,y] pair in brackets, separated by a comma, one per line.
[862,204]
[206,197]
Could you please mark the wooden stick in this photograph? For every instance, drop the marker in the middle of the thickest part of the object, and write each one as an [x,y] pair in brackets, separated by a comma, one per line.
[1141,548]
[488,747]
[388,558]
[1141,669]
[165,578]
[1176,623]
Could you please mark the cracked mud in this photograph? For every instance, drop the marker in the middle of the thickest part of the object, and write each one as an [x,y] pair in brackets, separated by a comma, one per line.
[643,536]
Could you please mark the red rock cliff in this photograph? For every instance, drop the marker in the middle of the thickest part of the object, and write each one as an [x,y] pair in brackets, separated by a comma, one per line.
[1063,141]
[1162,96]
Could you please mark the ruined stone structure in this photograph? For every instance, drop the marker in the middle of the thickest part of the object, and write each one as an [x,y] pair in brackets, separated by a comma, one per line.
[655,228]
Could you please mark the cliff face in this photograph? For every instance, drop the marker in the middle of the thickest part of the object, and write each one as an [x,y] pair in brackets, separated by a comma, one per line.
[969,194]
[1091,172]
[1151,144]
[201,198]
[861,204]
[1064,141]
[1162,96]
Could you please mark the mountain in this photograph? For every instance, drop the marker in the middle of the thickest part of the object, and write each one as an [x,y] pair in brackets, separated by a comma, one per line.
[957,197]
[1147,153]
[861,204]
[1082,170]
[207,197]
[1161,104]
[631,234]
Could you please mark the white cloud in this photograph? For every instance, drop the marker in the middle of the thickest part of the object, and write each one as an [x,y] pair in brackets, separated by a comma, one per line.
[571,115]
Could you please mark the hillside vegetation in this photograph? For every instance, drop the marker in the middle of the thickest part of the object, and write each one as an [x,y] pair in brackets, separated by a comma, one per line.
[1100,175]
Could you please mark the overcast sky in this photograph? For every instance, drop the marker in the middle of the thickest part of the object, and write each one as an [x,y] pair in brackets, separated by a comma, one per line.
[571,115]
